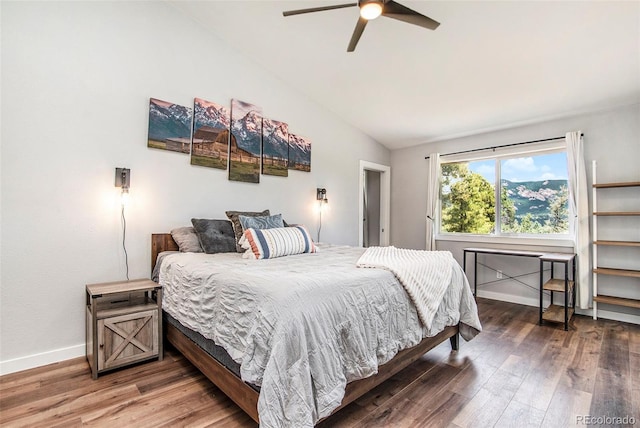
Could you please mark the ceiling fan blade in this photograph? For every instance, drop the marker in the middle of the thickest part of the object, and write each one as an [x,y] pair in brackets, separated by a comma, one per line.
[357,32]
[317,9]
[402,13]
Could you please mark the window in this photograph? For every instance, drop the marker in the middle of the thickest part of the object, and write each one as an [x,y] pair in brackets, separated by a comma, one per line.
[506,196]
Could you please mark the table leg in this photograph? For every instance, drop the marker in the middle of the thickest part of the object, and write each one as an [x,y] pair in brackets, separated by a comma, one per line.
[541,291]
[475,275]
[566,296]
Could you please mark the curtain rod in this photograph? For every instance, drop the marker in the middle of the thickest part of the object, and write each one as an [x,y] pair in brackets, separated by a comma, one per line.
[504,145]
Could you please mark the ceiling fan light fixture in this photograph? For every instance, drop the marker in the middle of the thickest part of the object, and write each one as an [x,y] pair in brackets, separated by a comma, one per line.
[371,10]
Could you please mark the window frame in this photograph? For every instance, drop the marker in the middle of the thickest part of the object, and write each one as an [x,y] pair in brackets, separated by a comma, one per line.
[536,149]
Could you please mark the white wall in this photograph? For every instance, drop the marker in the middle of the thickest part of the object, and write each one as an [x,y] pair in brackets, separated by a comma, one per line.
[76,82]
[611,138]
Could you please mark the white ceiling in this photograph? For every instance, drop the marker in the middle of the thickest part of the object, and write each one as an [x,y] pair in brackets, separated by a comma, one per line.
[490,64]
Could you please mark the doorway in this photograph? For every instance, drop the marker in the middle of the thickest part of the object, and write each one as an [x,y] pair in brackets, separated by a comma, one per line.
[374,212]
[371,209]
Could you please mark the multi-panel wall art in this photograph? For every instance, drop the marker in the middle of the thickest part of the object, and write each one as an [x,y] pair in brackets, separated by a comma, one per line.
[246,141]
[169,126]
[210,142]
[239,137]
[299,153]
[275,147]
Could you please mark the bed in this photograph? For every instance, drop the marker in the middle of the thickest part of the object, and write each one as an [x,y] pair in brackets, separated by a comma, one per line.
[184,329]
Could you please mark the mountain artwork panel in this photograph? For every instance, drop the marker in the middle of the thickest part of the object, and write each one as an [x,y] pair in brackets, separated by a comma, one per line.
[169,126]
[299,153]
[275,147]
[210,143]
[245,142]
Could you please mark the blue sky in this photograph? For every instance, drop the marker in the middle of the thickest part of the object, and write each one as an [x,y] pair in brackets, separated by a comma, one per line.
[529,168]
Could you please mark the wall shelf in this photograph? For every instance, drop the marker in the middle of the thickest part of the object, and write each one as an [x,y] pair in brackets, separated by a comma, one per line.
[620,301]
[618,243]
[617,272]
[611,271]
[612,185]
[617,213]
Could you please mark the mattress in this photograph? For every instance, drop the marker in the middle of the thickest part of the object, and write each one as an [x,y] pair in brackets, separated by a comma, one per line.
[208,346]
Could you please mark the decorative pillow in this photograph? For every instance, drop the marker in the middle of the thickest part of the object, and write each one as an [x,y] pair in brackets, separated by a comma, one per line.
[266,222]
[278,242]
[215,236]
[237,227]
[187,239]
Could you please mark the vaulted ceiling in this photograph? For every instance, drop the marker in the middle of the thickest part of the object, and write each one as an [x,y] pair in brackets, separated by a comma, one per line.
[490,64]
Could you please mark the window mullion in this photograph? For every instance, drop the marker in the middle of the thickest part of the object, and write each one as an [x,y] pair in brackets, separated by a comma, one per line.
[498,192]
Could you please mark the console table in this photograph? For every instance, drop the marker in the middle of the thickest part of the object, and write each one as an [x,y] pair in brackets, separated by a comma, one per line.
[564,285]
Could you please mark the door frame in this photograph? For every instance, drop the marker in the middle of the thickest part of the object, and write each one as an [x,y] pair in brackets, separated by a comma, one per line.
[385,200]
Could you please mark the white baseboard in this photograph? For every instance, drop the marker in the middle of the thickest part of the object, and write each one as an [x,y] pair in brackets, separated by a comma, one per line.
[532,301]
[521,300]
[37,360]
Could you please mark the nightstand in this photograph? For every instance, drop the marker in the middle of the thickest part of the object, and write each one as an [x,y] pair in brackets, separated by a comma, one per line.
[124,324]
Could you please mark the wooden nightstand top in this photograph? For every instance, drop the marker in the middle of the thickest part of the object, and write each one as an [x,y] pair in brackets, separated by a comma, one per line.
[121,287]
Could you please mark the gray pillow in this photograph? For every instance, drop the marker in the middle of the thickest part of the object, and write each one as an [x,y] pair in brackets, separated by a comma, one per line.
[237,227]
[187,239]
[215,236]
[266,222]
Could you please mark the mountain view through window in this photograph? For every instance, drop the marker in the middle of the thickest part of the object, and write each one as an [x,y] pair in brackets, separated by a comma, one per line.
[532,197]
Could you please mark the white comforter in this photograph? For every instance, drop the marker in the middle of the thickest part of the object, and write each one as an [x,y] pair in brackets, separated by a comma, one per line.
[303,326]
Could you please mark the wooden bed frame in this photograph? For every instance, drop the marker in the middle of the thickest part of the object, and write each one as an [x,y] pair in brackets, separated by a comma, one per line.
[244,395]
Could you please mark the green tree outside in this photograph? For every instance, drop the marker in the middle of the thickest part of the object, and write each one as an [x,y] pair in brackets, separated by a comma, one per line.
[468,201]
[558,221]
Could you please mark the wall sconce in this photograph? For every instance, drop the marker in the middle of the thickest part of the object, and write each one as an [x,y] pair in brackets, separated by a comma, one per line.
[123,180]
[321,195]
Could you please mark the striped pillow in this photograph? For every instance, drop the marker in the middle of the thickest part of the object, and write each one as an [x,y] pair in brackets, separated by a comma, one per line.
[277,242]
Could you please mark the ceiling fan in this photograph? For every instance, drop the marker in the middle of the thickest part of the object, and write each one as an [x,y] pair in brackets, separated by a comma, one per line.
[371,9]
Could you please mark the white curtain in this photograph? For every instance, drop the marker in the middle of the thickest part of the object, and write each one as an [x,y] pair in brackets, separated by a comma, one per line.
[579,208]
[433,192]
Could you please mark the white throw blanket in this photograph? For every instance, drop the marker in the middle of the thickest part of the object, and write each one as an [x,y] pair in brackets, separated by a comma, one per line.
[425,275]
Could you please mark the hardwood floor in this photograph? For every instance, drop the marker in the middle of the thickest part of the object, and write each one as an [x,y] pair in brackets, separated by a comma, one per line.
[515,373]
